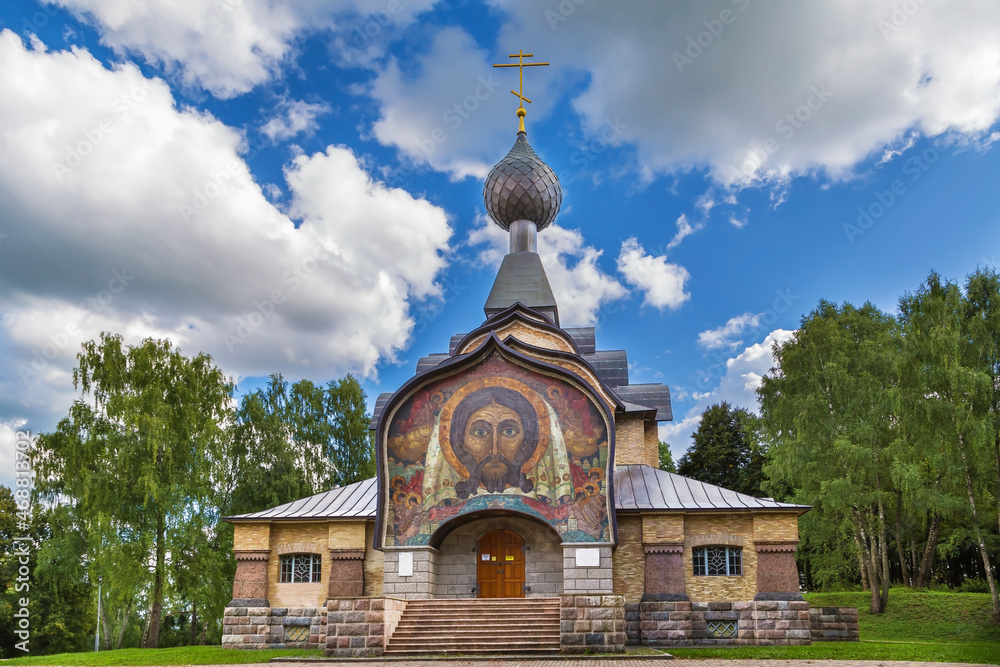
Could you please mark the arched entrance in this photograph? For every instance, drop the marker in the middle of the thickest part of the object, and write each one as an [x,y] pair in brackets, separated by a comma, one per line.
[500,565]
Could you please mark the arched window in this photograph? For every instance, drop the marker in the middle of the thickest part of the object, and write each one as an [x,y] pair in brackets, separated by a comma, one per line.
[720,561]
[301,568]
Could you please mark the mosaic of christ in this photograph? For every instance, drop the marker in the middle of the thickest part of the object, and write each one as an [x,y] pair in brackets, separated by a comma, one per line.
[498,437]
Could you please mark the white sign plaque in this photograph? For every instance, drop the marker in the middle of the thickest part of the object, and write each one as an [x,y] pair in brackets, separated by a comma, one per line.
[588,557]
[406,564]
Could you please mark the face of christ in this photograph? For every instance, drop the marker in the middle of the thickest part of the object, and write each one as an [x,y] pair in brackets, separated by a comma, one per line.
[495,441]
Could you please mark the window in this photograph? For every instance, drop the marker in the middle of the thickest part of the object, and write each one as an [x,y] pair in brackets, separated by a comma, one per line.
[300,568]
[296,633]
[721,629]
[718,561]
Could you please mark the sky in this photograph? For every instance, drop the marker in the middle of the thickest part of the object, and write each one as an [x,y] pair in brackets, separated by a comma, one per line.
[296,187]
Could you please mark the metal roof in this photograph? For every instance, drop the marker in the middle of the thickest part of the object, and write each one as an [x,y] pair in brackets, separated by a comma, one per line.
[637,488]
[358,500]
[583,337]
[611,366]
[641,487]
[652,396]
[521,279]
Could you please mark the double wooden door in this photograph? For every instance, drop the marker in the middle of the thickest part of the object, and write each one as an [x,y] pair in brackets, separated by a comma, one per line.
[500,565]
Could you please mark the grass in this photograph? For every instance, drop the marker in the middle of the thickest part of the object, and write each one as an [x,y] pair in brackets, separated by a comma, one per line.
[917,625]
[181,655]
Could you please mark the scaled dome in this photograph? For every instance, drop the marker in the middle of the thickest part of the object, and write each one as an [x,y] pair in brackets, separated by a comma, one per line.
[522,187]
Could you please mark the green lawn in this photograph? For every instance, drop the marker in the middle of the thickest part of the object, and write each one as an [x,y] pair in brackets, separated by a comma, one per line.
[917,625]
[182,655]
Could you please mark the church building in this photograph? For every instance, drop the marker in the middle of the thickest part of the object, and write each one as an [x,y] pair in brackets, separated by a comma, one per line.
[518,505]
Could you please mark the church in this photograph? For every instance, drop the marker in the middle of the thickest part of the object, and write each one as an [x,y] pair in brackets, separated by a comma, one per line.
[518,505]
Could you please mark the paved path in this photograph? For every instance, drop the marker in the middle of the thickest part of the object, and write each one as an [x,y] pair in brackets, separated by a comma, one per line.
[617,662]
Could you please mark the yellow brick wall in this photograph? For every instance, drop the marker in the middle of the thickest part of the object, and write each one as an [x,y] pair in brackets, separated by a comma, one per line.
[347,535]
[251,536]
[716,529]
[374,564]
[298,538]
[662,528]
[629,440]
[776,528]
[652,442]
[630,559]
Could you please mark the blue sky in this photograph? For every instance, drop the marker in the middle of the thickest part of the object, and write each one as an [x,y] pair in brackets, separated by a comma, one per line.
[297,187]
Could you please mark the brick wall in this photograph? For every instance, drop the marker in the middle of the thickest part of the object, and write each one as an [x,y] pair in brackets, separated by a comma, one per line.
[251,536]
[629,567]
[679,623]
[630,440]
[776,528]
[834,624]
[374,564]
[292,538]
[592,623]
[587,579]
[662,528]
[724,529]
[359,627]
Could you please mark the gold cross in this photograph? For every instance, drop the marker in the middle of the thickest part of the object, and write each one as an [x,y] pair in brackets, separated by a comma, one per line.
[521,55]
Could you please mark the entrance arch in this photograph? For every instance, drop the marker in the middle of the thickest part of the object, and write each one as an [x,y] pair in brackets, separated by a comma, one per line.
[500,565]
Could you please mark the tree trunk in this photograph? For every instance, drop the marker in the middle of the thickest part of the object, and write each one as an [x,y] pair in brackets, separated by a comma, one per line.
[865,548]
[978,530]
[194,624]
[883,538]
[900,543]
[105,627]
[930,553]
[153,639]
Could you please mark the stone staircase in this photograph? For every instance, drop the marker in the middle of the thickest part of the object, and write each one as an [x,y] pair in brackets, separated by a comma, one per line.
[503,625]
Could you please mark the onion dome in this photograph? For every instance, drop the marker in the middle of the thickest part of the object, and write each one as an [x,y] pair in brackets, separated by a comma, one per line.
[522,187]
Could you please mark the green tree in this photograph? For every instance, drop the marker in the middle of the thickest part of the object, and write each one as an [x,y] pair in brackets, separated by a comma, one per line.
[950,391]
[827,411]
[142,458]
[666,458]
[723,451]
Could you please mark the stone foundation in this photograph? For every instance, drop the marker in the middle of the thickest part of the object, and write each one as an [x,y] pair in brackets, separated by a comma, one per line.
[673,622]
[592,624]
[834,624]
[269,627]
[361,627]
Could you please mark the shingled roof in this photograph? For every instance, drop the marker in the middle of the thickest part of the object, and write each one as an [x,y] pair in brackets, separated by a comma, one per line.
[637,488]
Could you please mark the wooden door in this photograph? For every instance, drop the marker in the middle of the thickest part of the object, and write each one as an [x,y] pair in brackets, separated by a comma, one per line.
[500,565]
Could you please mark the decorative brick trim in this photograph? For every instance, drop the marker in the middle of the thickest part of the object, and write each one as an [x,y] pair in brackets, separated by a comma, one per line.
[301,548]
[256,554]
[347,554]
[776,547]
[663,548]
[722,539]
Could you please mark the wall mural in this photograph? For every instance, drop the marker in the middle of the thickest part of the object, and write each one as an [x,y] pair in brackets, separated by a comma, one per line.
[498,436]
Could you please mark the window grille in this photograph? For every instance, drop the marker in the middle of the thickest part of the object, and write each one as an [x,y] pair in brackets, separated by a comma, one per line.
[721,629]
[301,568]
[718,561]
[296,633]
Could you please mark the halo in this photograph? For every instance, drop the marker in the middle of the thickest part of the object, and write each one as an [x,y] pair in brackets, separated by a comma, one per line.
[521,388]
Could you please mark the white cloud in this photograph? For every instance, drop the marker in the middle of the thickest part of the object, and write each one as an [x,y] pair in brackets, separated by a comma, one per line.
[294,117]
[8,442]
[685,228]
[126,214]
[230,46]
[661,281]
[443,115]
[740,377]
[727,334]
[580,287]
[753,82]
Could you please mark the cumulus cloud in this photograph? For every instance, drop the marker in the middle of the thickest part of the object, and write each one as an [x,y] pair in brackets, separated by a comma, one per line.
[294,117]
[779,89]
[740,378]
[230,46]
[442,114]
[662,282]
[127,214]
[727,336]
[578,284]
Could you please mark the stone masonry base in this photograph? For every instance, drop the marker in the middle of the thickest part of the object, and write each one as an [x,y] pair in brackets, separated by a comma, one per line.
[361,627]
[592,623]
[834,624]
[271,627]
